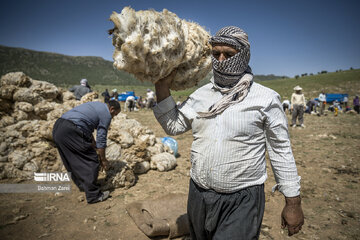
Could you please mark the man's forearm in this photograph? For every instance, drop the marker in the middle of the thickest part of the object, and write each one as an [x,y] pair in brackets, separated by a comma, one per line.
[162,87]
[101,152]
[293,200]
[162,91]
[103,162]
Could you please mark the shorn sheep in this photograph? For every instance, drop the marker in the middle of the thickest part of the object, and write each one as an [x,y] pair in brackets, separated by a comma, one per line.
[150,45]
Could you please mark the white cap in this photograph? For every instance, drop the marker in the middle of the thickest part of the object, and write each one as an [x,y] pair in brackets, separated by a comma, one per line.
[83,81]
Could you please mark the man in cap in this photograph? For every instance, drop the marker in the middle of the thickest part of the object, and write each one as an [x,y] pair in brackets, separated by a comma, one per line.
[356,104]
[114,95]
[150,98]
[286,105]
[72,134]
[130,103]
[322,101]
[233,121]
[80,90]
[298,105]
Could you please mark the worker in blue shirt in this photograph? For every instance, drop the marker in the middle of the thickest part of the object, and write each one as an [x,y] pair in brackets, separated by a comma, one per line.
[72,134]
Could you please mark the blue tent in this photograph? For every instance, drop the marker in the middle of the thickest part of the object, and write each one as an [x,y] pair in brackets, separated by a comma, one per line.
[330,97]
[122,97]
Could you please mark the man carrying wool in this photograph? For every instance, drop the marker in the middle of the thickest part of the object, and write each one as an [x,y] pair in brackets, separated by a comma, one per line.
[234,121]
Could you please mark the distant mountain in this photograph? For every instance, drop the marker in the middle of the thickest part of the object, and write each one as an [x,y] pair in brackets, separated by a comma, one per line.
[63,70]
[259,78]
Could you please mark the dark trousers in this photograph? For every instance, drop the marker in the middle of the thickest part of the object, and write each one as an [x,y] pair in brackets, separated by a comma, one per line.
[230,216]
[357,108]
[322,108]
[79,157]
[298,113]
[131,106]
[150,103]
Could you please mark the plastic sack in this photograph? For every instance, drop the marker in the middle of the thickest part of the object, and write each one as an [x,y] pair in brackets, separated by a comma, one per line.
[171,143]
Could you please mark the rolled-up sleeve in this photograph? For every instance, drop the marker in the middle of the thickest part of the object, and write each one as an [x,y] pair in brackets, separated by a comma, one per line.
[170,117]
[279,149]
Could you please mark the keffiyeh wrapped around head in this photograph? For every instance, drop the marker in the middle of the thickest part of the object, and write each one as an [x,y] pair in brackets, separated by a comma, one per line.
[229,71]
[232,76]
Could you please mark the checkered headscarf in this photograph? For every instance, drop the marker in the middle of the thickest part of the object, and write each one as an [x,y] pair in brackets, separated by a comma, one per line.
[232,76]
[229,71]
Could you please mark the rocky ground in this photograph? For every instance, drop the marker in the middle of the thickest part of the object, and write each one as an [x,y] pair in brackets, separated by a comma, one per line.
[327,154]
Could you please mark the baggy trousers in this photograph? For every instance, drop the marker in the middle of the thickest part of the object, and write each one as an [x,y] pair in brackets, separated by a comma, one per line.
[298,112]
[230,216]
[322,108]
[79,157]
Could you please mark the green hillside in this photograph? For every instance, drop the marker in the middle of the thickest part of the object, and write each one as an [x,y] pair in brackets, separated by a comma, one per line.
[336,82]
[65,70]
[62,70]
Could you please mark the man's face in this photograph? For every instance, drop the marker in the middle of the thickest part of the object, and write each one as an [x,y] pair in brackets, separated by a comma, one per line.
[222,52]
[114,112]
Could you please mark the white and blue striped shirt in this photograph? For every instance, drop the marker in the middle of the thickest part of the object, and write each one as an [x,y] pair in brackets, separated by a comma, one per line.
[228,151]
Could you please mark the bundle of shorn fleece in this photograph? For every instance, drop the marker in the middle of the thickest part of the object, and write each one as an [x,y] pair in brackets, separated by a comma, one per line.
[151,44]
[165,216]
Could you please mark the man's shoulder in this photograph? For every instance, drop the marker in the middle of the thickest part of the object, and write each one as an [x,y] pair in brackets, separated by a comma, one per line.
[101,108]
[96,104]
[203,89]
[262,90]
[84,87]
[75,87]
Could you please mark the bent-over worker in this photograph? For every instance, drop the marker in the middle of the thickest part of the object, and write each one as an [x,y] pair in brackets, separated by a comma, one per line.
[72,134]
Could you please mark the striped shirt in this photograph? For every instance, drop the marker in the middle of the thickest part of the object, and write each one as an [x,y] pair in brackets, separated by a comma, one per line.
[228,150]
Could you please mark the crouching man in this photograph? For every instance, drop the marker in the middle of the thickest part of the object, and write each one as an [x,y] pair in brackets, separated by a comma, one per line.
[72,134]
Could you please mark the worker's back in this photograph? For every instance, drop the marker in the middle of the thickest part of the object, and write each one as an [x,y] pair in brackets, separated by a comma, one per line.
[79,91]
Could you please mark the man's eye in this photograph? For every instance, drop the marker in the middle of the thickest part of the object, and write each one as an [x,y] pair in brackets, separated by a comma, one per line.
[229,55]
[216,54]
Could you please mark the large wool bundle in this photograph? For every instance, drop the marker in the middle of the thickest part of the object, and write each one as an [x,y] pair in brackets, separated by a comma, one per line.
[90,97]
[151,44]
[119,175]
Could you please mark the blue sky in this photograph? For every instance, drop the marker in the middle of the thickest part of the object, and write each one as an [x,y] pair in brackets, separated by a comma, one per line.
[287,37]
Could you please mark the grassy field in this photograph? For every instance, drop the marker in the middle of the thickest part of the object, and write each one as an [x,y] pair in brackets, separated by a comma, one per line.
[337,82]
[141,90]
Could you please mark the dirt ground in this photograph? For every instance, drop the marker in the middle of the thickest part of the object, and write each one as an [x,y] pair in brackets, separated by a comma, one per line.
[327,154]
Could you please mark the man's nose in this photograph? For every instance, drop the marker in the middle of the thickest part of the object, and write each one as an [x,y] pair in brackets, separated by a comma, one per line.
[222,57]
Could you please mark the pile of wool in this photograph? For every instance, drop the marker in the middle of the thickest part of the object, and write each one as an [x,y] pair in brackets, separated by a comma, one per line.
[28,111]
[25,126]
[90,97]
[150,45]
[135,147]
